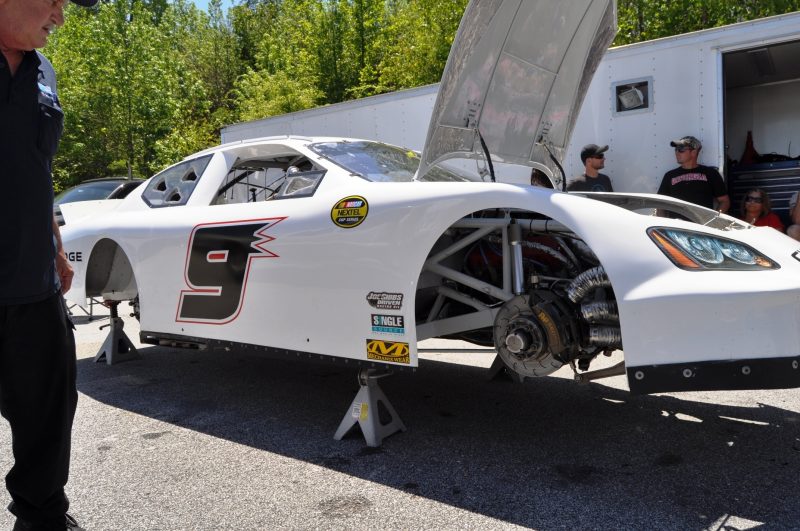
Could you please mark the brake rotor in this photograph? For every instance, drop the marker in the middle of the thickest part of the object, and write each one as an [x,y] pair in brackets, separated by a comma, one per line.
[530,338]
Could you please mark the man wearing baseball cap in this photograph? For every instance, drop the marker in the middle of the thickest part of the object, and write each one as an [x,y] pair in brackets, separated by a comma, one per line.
[692,182]
[594,160]
[38,396]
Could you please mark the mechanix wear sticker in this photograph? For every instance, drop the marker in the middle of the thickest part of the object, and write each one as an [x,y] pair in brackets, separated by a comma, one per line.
[350,212]
[385,301]
[388,324]
[390,351]
[218,261]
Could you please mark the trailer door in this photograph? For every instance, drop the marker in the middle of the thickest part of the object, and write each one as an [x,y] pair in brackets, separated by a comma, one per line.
[761,94]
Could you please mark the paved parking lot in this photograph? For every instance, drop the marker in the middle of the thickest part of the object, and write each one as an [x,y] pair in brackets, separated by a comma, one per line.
[195,440]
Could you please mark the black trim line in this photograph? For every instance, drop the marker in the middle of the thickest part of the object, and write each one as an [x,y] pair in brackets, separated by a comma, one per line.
[216,345]
[730,375]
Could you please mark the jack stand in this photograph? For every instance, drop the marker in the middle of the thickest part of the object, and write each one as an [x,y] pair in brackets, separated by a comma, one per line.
[364,410]
[117,347]
[500,370]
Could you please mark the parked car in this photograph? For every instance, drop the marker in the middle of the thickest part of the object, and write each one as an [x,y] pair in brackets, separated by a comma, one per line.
[352,249]
[93,190]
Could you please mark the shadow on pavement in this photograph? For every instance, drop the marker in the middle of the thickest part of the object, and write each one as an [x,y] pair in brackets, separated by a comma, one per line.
[518,453]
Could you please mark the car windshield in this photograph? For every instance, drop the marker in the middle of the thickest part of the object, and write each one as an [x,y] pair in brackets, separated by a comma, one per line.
[87,192]
[380,162]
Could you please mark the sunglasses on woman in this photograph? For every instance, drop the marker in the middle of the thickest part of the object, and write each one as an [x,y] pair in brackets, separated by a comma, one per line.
[753,199]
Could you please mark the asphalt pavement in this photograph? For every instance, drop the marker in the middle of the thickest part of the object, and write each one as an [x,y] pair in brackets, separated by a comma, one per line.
[194,440]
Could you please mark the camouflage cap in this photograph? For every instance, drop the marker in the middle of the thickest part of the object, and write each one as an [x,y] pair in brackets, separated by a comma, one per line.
[686,141]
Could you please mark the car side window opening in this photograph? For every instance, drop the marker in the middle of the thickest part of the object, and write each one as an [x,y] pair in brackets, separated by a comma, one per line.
[250,181]
[174,186]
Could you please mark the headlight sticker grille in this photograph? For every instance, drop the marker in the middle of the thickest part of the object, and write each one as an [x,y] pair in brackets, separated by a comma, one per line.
[697,251]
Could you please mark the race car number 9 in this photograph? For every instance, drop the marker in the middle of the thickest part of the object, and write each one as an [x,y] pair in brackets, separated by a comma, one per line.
[217,266]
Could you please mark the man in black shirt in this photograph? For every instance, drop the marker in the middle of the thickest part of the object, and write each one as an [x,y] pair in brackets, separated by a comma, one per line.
[692,182]
[594,160]
[37,348]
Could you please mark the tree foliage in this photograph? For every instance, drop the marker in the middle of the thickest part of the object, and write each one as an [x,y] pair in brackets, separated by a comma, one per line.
[146,82]
[641,20]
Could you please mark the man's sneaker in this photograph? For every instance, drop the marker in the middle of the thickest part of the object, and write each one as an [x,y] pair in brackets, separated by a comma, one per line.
[72,524]
[69,524]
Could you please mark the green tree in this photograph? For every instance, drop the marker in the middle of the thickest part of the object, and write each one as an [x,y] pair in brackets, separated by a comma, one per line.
[370,18]
[338,68]
[250,21]
[146,82]
[260,94]
[117,78]
[641,20]
[417,42]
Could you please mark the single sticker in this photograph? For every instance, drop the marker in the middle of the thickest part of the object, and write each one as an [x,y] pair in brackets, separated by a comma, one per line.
[349,212]
[388,324]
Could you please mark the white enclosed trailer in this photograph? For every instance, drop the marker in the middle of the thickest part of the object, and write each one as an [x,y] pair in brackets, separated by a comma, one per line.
[715,84]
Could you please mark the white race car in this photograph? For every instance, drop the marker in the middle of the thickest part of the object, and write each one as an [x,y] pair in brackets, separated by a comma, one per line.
[353,249]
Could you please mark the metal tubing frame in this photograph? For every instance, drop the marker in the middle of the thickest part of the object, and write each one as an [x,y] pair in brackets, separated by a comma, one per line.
[512,267]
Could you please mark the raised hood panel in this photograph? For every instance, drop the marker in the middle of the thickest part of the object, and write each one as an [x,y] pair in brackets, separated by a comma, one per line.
[517,73]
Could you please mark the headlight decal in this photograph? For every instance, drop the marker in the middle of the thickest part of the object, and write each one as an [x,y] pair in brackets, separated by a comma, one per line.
[697,251]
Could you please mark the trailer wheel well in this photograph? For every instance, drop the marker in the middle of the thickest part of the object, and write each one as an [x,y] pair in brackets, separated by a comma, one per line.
[109,273]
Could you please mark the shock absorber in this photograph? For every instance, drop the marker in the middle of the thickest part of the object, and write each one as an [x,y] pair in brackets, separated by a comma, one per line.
[515,239]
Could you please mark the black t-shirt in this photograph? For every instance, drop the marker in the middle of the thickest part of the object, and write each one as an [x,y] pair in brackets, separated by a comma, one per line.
[698,185]
[584,183]
[30,128]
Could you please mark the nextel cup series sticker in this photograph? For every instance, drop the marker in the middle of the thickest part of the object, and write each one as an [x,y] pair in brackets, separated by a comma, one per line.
[385,301]
[350,212]
[380,350]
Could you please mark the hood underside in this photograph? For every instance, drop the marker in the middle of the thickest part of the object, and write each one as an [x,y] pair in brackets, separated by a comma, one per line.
[517,74]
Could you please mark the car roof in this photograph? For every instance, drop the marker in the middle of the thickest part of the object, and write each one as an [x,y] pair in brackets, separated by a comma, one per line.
[109,179]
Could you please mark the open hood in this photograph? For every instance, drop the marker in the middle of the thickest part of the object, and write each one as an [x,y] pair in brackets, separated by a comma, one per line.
[517,74]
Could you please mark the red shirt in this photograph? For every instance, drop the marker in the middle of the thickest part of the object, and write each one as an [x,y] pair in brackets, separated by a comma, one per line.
[770,220]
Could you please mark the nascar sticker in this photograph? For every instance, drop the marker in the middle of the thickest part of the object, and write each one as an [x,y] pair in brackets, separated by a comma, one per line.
[388,324]
[390,351]
[349,212]
[385,301]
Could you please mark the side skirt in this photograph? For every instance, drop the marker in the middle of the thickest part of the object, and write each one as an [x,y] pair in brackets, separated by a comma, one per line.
[732,375]
[215,345]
